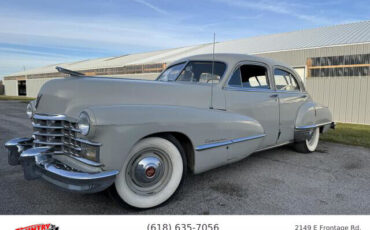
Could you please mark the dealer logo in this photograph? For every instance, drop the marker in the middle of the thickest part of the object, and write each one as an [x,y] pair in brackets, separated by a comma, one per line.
[40,227]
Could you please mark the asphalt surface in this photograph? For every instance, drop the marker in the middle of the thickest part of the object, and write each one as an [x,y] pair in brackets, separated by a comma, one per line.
[333,180]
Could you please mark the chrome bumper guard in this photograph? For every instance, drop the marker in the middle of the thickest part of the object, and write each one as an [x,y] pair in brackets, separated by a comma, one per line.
[37,162]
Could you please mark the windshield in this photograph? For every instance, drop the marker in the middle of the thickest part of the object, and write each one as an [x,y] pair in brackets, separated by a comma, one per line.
[194,71]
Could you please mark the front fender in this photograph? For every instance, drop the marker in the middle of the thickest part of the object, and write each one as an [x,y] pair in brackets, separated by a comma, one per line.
[120,127]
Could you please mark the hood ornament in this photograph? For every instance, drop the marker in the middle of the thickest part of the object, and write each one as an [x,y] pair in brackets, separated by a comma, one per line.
[69,72]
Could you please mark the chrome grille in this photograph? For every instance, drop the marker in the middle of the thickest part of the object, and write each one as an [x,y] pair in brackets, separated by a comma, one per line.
[58,132]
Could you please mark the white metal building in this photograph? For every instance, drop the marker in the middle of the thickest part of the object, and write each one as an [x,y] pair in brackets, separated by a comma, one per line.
[334,62]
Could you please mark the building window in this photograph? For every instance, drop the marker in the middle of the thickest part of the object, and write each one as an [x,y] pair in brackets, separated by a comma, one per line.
[338,66]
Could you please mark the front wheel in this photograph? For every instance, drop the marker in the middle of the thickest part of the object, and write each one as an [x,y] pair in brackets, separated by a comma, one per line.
[309,145]
[151,174]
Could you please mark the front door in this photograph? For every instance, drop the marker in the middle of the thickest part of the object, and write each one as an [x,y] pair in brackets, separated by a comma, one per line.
[249,92]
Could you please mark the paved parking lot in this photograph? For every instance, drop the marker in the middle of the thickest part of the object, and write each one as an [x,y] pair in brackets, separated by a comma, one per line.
[333,180]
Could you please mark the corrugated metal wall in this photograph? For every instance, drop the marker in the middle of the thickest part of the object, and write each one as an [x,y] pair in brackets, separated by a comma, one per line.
[347,97]
[33,86]
[11,87]
[299,57]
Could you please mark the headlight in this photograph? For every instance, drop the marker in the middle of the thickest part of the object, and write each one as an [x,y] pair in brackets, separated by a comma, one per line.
[84,123]
[29,110]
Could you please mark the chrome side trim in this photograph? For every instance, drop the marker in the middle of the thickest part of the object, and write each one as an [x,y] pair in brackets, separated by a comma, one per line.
[228,142]
[213,145]
[289,91]
[306,127]
[313,126]
[231,88]
[237,140]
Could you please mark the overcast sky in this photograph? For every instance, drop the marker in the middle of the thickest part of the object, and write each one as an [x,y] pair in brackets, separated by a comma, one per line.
[35,33]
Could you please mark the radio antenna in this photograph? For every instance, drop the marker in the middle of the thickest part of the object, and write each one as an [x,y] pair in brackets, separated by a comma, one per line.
[213,68]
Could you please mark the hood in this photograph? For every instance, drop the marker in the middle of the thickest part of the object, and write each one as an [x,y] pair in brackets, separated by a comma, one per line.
[71,95]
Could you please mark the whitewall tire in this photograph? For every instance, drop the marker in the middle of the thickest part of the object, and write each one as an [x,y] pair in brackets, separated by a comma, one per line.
[151,174]
[309,145]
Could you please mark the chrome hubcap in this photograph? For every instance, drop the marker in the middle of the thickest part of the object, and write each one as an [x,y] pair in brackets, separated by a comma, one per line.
[148,172]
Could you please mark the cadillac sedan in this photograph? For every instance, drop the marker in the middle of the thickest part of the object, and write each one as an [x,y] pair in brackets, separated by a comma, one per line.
[140,138]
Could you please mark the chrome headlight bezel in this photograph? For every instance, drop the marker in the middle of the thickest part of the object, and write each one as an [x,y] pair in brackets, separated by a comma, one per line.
[84,123]
[30,110]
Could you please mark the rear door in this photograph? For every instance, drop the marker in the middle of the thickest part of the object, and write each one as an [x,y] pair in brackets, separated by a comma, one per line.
[291,96]
[249,92]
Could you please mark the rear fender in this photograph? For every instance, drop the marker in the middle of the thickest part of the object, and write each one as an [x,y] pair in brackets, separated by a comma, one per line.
[311,115]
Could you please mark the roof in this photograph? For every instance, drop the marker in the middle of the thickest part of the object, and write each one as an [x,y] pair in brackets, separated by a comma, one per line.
[353,33]
[229,58]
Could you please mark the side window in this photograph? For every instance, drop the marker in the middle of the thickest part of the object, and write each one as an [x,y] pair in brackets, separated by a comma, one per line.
[285,81]
[235,80]
[194,71]
[250,77]
[171,73]
[201,72]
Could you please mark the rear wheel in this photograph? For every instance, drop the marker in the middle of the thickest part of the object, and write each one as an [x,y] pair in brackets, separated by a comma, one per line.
[152,173]
[309,145]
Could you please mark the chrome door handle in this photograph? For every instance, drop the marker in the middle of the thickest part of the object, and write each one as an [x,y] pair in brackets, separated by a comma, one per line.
[274,95]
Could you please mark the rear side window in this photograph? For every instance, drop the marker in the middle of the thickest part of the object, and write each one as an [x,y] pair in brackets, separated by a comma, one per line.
[285,81]
[250,77]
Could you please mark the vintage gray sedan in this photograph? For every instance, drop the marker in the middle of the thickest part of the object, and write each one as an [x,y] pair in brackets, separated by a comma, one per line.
[141,137]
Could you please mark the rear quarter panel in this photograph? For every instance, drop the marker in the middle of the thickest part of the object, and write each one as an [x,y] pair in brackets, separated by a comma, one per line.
[311,113]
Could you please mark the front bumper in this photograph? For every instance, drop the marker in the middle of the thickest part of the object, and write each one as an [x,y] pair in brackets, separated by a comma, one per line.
[37,162]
